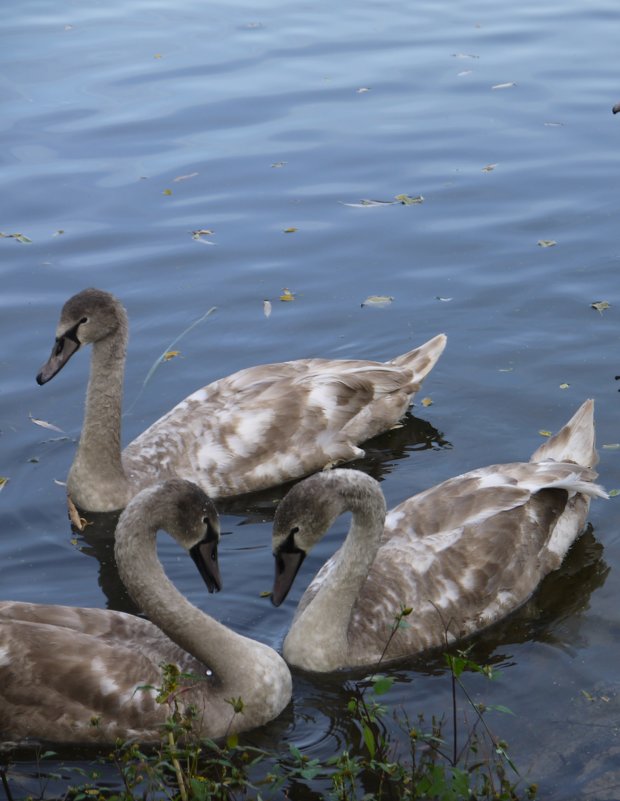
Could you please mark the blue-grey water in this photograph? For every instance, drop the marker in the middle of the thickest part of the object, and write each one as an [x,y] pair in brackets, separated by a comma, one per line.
[126,126]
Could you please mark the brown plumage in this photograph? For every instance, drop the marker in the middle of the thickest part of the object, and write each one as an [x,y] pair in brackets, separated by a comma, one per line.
[462,554]
[73,675]
[254,429]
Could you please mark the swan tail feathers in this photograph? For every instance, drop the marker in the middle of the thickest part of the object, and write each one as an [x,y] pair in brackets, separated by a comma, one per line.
[421,360]
[575,442]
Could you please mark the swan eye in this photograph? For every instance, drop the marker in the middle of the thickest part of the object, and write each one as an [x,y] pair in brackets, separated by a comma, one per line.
[59,346]
[83,320]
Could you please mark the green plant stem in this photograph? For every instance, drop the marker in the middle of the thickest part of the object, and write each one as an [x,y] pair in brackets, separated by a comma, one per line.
[177,767]
[5,785]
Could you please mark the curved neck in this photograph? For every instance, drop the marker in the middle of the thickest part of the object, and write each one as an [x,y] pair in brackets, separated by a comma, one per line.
[97,473]
[233,659]
[328,615]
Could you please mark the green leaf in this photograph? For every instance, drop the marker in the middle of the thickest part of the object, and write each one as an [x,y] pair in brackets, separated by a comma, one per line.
[501,708]
[369,739]
[382,684]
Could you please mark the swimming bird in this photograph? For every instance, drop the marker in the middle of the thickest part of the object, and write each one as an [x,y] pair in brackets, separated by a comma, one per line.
[254,429]
[460,555]
[79,675]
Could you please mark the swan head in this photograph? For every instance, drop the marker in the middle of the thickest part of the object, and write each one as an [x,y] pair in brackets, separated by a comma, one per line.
[182,509]
[303,516]
[88,317]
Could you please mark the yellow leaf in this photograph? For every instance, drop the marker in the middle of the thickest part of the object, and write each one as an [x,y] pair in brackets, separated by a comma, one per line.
[427,402]
[287,295]
[378,300]
[290,230]
[564,386]
[407,200]
[3,482]
[170,354]
[544,433]
[167,192]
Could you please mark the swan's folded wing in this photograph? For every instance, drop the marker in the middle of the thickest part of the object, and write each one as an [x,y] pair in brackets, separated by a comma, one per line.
[269,424]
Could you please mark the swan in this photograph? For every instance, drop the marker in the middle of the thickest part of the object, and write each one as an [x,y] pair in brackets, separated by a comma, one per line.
[461,555]
[77,676]
[254,429]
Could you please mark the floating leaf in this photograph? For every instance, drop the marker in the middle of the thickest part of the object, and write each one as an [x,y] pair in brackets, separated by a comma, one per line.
[507,85]
[365,203]
[614,493]
[198,235]
[544,433]
[546,243]
[363,89]
[44,424]
[287,295]
[23,240]
[267,308]
[167,192]
[600,306]
[613,446]
[185,177]
[407,200]
[462,73]
[489,168]
[59,232]
[170,354]
[426,401]
[77,522]
[3,482]
[265,594]
[158,55]
[279,164]
[378,300]
[464,55]
[443,300]
[290,230]
[564,386]
[160,359]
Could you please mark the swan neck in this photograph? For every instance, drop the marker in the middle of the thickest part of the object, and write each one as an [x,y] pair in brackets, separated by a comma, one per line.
[97,480]
[321,630]
[215,646]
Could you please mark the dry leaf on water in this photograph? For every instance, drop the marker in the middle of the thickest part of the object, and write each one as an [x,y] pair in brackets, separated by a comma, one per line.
[378,300]
[546,243]
[600,306]
[45,424]
[287,295]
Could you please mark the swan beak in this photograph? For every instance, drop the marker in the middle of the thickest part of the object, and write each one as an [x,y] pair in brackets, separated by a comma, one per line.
[204,555]
[63,350]
[287,565]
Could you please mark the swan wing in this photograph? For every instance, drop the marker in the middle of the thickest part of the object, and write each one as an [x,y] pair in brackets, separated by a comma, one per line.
[268,424]
[82,671]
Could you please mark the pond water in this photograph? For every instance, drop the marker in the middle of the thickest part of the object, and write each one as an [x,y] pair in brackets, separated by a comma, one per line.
[129,125]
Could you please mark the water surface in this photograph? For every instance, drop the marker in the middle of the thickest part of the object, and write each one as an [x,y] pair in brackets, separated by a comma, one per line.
[128,125]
